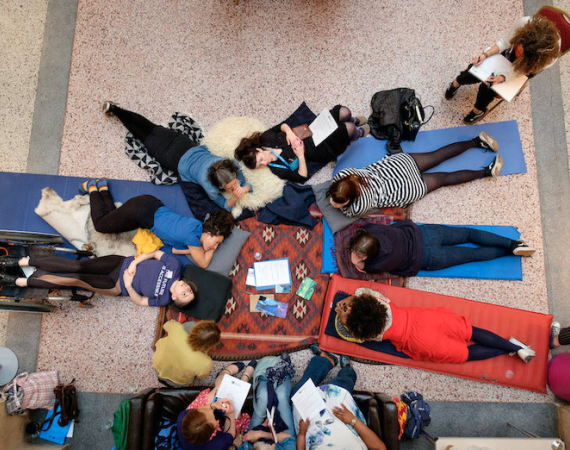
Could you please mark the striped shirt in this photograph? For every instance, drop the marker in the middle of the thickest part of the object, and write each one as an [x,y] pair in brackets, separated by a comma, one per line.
[394,181]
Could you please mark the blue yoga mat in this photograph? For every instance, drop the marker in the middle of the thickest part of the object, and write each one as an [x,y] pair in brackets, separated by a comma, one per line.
[505,268]
[21,193]
[367,151]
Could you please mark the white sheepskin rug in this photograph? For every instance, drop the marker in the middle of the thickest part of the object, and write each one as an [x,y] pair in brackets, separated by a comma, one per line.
[223,139]
[72,220]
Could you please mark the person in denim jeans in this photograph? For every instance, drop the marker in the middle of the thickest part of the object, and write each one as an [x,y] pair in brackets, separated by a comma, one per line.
[346,426]
[404,248]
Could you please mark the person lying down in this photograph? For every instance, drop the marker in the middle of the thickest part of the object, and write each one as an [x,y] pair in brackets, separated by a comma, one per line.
[424,334]
[151,279]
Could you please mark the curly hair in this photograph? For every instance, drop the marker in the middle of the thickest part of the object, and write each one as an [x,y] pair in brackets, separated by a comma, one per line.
[246,151]
[204,336]
[539,39]
[346,189]
[364,244]
[367,317]
[219,223]
[195,427]
[221,173]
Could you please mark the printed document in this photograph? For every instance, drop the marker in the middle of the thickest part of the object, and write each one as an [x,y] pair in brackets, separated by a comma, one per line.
[323,126]
[270,273]
[308,401]
[234,389]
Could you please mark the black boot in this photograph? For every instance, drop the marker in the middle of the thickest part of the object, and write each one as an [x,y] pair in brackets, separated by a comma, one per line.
[8,280]
[8,261]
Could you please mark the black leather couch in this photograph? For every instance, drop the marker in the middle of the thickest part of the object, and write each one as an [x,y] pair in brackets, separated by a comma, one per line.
[148,407]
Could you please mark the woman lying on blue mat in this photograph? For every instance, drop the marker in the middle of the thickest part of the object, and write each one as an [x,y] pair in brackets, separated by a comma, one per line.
[399,180]
[152,279]
[180,235]
[286,154]
[424,334]
[178,153]
[404,248]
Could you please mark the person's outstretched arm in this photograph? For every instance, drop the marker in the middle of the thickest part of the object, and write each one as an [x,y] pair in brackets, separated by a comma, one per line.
[372,441]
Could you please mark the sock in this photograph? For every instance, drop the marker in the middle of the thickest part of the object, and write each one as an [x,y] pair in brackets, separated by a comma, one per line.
[102,184]
[88,186]
[564,336]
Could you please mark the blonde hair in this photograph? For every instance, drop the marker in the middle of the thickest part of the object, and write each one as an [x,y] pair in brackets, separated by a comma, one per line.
[540,42]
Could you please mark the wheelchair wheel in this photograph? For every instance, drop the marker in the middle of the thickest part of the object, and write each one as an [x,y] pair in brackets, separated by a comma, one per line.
[22,306]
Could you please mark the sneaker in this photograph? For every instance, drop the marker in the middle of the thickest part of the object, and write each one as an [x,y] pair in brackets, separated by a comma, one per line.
[8,261]
[344,361]
[451,91]
[8,280]
[494,169]
[554,331]
[473,117]
[487,142]
[525,353]
[318,352]
[522,249]
[107,107]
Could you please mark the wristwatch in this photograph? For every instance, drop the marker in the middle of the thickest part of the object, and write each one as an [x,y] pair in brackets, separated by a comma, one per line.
[353,421]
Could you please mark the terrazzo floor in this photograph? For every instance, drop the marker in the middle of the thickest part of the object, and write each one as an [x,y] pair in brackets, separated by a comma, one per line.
[213,59]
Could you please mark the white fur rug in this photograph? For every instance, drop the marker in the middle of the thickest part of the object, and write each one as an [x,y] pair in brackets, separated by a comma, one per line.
[222,140]
[72,220]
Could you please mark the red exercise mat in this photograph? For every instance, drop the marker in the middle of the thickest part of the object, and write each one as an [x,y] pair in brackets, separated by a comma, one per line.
[529,327]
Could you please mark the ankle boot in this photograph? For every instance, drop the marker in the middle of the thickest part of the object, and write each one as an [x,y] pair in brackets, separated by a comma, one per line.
[8,261]
[8,280]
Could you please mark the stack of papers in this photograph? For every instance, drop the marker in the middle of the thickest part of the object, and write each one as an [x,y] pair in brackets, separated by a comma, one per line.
[273,274]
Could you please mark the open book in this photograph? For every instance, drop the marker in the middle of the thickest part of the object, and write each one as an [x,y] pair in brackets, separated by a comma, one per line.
[499,65]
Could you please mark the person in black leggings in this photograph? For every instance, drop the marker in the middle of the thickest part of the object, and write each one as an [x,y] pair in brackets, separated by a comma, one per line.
[152,279]
[180,235]
[177,152]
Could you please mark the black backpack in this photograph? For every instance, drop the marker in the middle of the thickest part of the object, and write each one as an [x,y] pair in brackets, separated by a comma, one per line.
[397,116]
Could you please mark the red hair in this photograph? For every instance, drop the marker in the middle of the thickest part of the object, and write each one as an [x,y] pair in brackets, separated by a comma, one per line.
[346,189]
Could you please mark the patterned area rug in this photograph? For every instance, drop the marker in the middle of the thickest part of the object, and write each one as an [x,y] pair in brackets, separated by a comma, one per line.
[248,334]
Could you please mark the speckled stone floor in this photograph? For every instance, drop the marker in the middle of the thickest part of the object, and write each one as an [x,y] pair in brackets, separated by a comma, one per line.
[214,59]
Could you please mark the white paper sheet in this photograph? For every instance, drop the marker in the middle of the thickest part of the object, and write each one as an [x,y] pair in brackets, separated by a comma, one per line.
[270,273]
[234,389]
[322,126]
[308,401]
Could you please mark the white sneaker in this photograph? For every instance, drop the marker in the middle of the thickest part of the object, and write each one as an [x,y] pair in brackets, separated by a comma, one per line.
[106,107]
[526,353]
[496,166]
[523,249]
[488,142]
